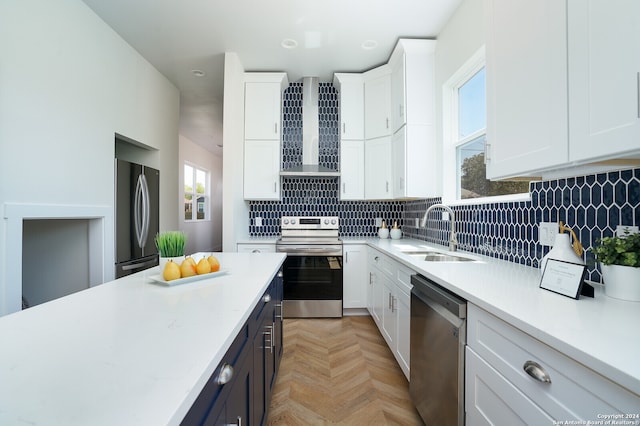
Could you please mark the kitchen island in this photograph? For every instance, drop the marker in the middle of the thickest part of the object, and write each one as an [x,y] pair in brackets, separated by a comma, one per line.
[128,351]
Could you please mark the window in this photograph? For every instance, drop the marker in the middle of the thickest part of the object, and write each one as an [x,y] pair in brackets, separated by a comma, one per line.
[196,193]
[465,136]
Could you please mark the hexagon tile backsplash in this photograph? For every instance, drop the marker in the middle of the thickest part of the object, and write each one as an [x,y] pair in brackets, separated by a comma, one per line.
[591,205]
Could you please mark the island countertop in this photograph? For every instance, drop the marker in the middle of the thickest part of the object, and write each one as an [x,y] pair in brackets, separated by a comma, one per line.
[127,351]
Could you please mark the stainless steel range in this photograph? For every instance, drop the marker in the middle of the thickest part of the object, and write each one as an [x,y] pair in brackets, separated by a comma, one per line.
[313,268]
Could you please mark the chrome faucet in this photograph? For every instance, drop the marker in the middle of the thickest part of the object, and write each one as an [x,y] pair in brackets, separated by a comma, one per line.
[453,243]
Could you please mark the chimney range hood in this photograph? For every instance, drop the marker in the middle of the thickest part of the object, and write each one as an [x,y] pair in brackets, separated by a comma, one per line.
[310,135]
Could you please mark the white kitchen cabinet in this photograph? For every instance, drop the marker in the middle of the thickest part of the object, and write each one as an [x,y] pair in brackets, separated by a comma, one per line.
[352,162]
[262,170]
[416,165]
[526,69]
[354,279]
[262,133]
[492,400]
[390,285]
[378,184]
[416,171]
[257,248]
[263,105]
[351,92]
[389,317]
[604,79]
[377,102]
[352,169]
[495,377]
[413,83]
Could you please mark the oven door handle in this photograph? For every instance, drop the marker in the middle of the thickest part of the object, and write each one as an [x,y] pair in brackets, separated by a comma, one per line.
[313,250]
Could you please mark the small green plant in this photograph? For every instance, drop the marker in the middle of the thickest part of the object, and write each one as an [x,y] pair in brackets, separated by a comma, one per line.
[623,250]
[170,243]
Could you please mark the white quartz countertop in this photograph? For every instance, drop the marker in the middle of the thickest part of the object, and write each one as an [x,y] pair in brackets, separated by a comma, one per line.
[128,351]
[602,333]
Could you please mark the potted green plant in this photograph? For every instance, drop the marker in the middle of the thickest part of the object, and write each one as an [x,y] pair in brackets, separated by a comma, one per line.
[170,245]
[619,259]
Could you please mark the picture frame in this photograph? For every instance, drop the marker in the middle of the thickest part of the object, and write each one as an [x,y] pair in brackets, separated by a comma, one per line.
[565,278]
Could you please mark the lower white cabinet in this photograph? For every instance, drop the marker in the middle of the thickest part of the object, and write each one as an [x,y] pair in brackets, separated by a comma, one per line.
[354,282]
[257,248]
[389,303]
[513,378]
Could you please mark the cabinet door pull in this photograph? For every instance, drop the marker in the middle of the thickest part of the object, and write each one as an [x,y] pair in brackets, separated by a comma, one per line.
[255,251]
[387,122]
[275,186]
[536,371]
[269,333]
[275,128]
[344,187]
[487,146]
[344,128]
[225,375]
[387,187]
[279,315]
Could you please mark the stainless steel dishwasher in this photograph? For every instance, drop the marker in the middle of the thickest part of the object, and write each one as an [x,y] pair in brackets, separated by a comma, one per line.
[438,337]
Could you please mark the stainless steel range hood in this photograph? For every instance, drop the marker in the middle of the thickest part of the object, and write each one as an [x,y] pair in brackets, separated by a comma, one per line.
[310,134]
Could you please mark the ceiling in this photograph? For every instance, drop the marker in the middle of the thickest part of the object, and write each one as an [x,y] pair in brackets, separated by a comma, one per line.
[179,36]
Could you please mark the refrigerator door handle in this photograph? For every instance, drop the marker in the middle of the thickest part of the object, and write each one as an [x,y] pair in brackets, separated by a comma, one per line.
[146,210]
[137,207]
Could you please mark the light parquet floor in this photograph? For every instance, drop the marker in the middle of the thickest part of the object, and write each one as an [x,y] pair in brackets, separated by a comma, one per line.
[339,371]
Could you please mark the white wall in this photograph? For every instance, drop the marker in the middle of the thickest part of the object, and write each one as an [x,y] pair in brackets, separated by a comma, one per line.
[68,83]
[202,235]
[235,209]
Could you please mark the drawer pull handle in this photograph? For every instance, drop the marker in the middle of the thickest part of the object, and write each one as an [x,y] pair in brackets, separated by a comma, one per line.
[225,375]
[536,371]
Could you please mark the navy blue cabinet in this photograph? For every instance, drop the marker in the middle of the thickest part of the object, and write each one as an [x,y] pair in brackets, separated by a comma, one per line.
[239,391]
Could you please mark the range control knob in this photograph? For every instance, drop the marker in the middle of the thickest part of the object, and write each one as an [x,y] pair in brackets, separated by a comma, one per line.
[285,221]
[326,221]
[293,221]
[333,221]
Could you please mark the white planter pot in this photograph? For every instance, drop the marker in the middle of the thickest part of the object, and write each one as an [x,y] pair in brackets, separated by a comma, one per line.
[164,260]
[621,282]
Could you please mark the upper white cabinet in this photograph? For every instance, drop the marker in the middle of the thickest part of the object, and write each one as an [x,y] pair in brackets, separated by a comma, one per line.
[604,78]
[526,69]
[262,134]
[352,169]
[377,102]
[378,183]
[351,91]
[563,86]
[263,105]
[416,170]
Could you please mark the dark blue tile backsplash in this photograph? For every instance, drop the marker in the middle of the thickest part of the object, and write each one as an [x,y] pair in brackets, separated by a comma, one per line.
[591,205]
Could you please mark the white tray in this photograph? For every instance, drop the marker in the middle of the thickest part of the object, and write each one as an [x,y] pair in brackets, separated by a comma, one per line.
[157,279]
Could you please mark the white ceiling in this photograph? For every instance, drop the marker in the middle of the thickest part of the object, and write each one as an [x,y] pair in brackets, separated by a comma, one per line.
[178,36]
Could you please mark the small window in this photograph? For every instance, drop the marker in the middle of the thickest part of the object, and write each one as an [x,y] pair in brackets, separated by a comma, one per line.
[464,146]
[196,193]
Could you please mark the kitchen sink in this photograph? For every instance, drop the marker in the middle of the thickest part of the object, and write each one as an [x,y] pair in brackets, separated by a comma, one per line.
[437,256]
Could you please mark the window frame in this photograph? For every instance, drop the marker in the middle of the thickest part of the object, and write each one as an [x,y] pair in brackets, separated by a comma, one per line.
[195,195]
[451,141]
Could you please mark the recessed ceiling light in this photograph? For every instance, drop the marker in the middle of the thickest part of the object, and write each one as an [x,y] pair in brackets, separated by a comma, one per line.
[369,44]
[197,73]
[289,43]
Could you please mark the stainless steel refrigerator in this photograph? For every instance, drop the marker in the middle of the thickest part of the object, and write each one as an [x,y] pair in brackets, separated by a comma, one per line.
[137,217]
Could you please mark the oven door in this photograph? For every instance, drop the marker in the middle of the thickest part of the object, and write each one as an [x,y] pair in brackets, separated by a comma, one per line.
[312,286]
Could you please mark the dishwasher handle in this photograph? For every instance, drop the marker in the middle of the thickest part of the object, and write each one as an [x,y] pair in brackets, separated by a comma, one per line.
[450,301]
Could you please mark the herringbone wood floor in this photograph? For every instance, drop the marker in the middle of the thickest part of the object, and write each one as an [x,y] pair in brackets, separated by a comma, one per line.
[339,371]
